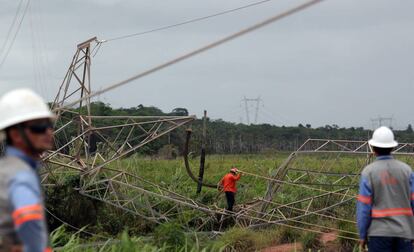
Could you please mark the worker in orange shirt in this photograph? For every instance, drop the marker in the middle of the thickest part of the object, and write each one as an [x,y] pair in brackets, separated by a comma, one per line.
[228,186]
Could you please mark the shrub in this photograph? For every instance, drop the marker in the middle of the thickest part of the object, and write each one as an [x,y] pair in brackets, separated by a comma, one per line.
[310,240]
[288,235]
[171,234]
[239,239]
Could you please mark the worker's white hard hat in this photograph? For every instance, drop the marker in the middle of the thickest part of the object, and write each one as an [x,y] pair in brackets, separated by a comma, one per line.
[21,105]
[383,138]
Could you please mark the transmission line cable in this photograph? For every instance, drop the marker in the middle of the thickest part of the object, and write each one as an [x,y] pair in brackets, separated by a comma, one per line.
[11,27]
[298,185]
[197,51]
[275,118]
[187,22]
[36,69]
[73,227]
[39,57]
[15,34]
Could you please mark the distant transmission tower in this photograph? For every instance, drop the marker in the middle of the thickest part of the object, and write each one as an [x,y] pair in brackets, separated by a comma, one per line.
[381,121]
[246,102]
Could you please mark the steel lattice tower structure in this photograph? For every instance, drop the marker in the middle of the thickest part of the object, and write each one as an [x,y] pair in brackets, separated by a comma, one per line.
[246,102]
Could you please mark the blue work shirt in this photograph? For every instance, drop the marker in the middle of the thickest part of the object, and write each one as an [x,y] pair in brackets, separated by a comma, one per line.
[26,199]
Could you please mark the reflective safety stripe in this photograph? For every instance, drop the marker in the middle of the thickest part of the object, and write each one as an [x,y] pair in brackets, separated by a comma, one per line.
[28,217]
[391,212]
[27,213]
[26,209]
[364,199]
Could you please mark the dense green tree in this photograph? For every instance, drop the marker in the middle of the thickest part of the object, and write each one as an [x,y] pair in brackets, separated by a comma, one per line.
[227,137]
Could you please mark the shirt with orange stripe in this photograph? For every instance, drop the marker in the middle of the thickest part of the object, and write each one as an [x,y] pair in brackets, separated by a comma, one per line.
[386,199]
[229,182]
[26,200]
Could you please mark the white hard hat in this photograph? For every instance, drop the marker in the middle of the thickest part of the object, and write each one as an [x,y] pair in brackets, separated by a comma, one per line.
[383,138]
[21,105]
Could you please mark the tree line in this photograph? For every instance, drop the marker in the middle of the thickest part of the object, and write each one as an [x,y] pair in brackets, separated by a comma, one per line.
[235,138]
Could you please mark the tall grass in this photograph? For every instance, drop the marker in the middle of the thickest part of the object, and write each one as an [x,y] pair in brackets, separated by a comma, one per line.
[171,174]
[61,240]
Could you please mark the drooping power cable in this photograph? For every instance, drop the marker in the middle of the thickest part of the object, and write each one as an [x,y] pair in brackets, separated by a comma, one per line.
[197,51]
[6,54]
[186,22]
[11,27]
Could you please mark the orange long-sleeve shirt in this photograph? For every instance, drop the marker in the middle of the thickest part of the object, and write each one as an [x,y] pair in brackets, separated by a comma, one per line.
[229,182]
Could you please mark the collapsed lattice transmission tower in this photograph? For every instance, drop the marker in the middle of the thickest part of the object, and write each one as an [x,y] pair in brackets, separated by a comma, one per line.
[314,189]
[90,144]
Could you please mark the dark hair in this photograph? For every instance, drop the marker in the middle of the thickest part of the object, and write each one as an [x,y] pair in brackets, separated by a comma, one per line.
[8,138]
[382,151]
[9,141]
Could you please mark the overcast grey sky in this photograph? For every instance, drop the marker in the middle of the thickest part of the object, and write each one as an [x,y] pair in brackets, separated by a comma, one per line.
[340,62]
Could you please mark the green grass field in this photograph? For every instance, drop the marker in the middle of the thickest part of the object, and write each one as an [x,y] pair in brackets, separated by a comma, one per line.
[131,232]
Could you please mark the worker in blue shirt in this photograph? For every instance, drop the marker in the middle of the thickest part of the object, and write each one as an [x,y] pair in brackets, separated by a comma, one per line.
[386,199]
[26,123]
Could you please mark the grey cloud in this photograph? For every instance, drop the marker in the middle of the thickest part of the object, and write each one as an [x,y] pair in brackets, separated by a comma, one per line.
[340,62]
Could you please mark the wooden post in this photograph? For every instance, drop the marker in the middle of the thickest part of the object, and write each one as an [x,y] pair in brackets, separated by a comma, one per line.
[203,154]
